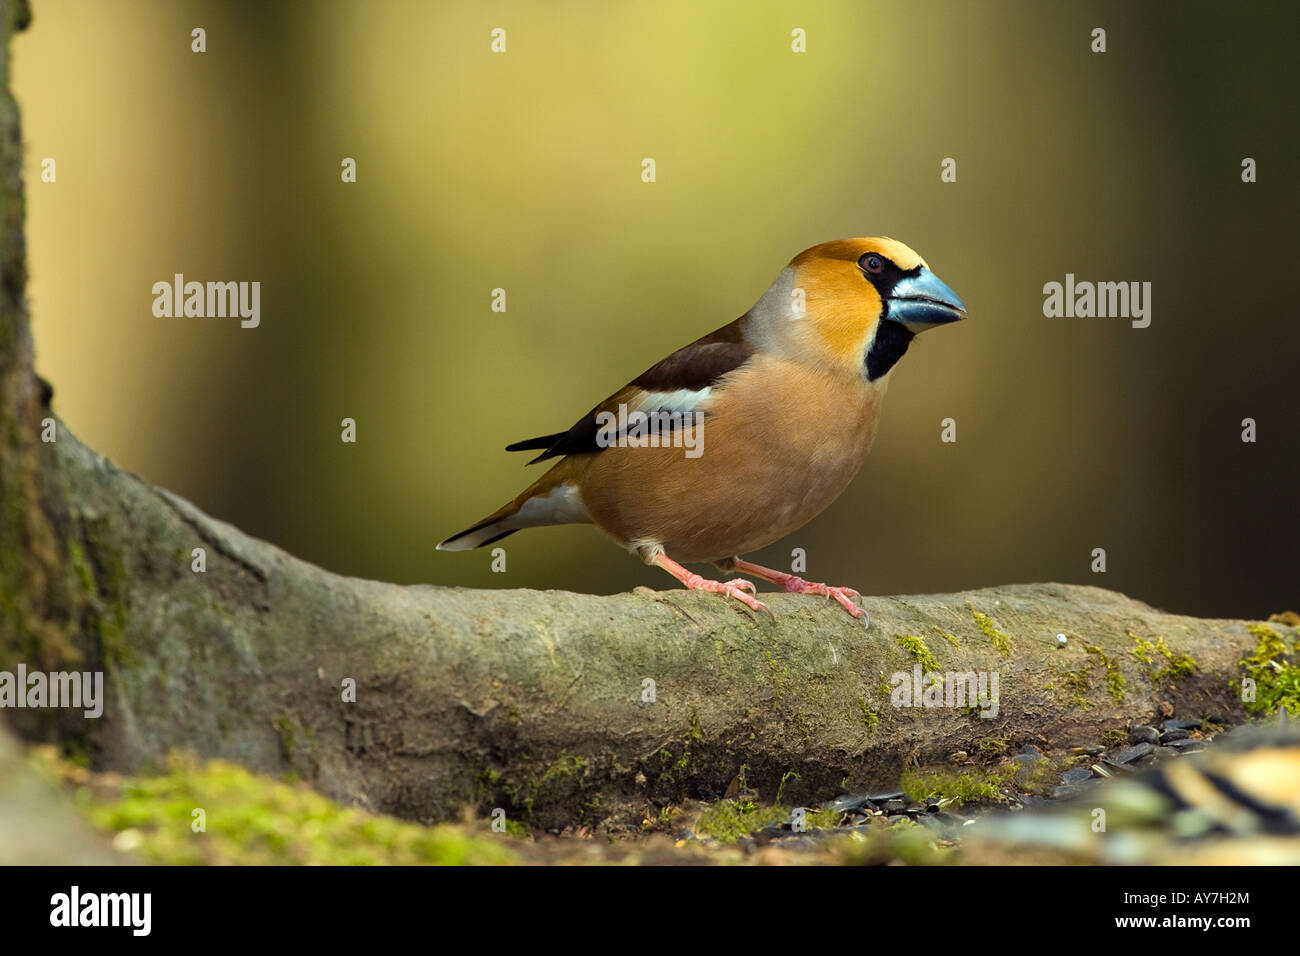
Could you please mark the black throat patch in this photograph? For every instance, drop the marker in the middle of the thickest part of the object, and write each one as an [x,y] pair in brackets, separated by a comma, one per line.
[890,342]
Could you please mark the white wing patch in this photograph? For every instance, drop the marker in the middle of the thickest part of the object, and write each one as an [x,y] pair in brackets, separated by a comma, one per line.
[681,400]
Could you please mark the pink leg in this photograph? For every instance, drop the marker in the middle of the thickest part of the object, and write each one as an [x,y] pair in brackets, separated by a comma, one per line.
[736,588]
[795,585]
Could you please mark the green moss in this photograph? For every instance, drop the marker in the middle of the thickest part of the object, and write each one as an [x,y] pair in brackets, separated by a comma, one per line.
[672,769]
[1275,673]
[1115,683]
[490,785]
[88,593]
[487,784]
[297,746]
[1184,665]
[822,819]
[101,566]
[1079,681]
[916,647]
[253,820]
[1114,737]
[1079,685]
[515,828]
[780,679]
[729,820]
[1174,667]
[694,732]
[1142,649]
[950,638]
[992,745]
[1040,777]
[869,716]
[563,767]
[971,786]
[985,624]
[77,556]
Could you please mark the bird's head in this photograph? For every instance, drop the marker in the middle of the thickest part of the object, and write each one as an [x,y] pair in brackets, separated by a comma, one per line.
[858,301]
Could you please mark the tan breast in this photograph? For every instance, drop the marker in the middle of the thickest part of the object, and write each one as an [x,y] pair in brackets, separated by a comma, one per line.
[781,442]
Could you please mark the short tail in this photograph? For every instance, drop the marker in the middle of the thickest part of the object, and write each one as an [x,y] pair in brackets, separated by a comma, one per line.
[552,499]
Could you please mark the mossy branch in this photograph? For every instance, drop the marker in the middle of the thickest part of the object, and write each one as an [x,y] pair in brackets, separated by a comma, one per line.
[561,706]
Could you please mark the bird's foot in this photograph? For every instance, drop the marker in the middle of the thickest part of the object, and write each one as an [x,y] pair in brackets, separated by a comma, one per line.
[844,596]
[737,588]
[796,585]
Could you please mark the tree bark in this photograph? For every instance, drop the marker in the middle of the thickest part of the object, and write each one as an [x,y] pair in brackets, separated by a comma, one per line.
[534,701]
[38,600]
[538,701]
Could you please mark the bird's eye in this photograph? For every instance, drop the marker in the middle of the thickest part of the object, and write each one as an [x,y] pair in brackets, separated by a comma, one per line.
[873,263]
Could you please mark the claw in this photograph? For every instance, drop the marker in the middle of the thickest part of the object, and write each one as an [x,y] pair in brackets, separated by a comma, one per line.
[732,589]
[796,585]
[737,588]
[843,596]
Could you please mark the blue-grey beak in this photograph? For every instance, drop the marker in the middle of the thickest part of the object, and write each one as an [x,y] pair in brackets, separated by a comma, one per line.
[923,301]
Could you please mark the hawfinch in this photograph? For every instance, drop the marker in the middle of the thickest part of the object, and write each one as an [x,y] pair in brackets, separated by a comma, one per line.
[746,434]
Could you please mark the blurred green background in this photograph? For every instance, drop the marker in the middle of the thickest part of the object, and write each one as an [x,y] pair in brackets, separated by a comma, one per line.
[522,171]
